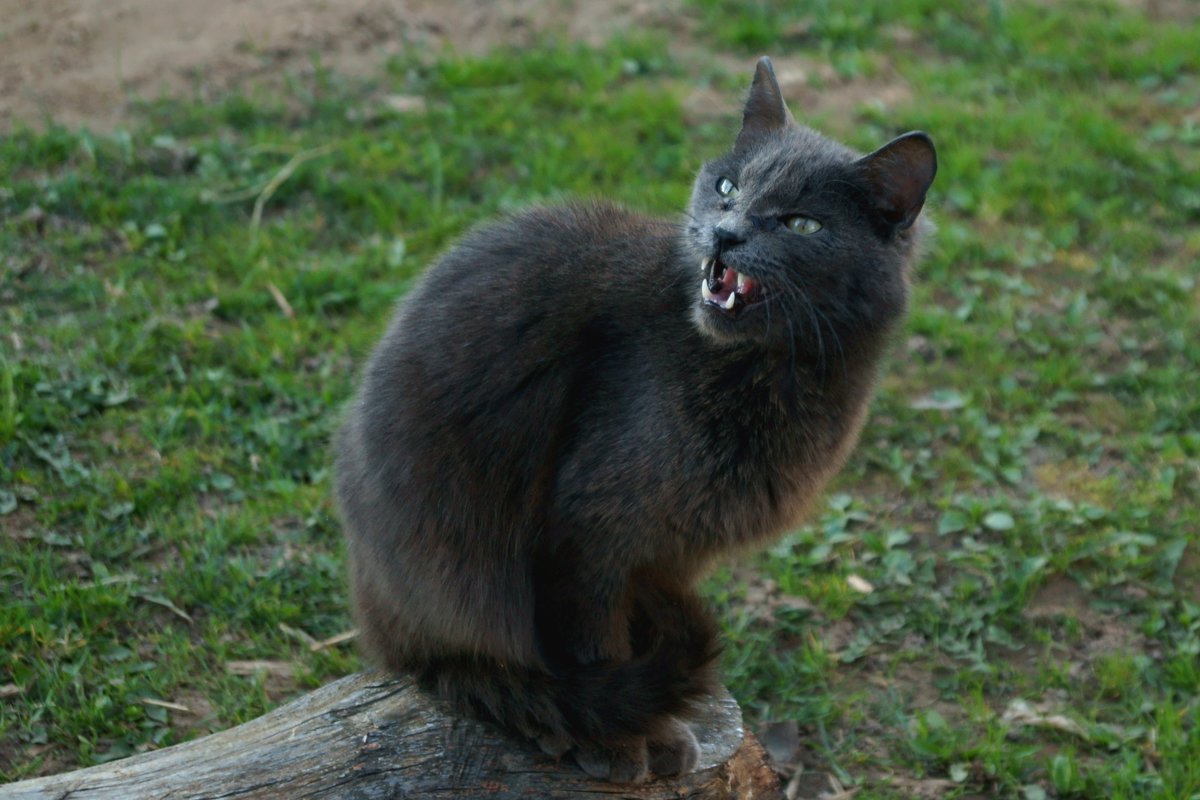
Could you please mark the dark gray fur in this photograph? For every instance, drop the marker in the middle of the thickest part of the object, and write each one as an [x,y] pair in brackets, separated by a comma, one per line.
[556,437]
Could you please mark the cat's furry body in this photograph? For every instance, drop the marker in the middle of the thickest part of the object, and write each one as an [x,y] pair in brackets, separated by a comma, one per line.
[558,435]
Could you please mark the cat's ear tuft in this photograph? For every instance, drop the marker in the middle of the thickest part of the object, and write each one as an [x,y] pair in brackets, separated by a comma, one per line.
[765,110]
[899,174]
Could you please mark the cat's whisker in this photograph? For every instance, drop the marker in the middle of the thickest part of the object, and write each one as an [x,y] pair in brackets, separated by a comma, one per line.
[819,317]
[785,287]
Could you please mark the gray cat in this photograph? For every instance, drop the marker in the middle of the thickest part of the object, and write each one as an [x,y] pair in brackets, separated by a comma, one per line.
[579,410]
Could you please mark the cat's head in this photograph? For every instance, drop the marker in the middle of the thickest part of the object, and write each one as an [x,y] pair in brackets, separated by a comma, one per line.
[798,240]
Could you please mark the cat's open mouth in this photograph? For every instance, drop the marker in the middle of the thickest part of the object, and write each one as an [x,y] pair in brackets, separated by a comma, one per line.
[727,289]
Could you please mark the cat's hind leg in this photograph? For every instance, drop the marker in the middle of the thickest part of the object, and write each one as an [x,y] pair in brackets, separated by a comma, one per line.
[673,750]
[626,761]
[672,638]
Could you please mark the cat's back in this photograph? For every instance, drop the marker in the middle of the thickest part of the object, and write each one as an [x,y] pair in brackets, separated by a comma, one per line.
[519,293]
[547,260]
[499,328]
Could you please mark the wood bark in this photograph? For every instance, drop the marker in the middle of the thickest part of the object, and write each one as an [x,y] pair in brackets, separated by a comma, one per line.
[371,736]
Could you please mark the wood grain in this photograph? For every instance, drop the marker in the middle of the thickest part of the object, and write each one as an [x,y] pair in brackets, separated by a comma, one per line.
[371,736]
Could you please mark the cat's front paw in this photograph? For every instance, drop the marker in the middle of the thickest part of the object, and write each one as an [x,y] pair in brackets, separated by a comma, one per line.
[626,762]
[674,751]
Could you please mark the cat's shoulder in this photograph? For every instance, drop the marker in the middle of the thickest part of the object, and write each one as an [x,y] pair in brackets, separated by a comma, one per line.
[556,250]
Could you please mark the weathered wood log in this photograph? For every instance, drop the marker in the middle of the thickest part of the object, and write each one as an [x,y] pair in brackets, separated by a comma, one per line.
[373,736]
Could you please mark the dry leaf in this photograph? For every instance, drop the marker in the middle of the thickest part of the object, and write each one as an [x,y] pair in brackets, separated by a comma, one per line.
[281,301]
[282,669]
[297,633]
[333,641]
[1020,712]
[150,701]
[859,584]
[404,103]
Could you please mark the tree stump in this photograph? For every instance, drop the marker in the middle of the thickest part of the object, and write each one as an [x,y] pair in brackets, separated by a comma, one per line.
[371,736]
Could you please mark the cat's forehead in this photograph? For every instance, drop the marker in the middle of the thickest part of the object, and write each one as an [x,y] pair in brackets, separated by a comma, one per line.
[793,152]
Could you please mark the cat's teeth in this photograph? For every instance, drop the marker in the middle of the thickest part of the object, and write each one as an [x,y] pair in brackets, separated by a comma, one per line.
[741,282]
[704,289]
[729,301]
[706,264]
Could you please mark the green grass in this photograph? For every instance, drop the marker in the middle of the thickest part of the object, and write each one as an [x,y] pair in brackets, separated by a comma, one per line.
[1019,522]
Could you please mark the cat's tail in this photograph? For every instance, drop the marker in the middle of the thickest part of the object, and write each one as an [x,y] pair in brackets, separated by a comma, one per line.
[675,646]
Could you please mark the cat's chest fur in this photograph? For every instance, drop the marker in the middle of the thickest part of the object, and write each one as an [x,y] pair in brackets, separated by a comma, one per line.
[711,449]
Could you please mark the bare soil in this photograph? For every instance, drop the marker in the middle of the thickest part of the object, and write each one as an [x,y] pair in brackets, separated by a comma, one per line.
[81,62]
[86,62]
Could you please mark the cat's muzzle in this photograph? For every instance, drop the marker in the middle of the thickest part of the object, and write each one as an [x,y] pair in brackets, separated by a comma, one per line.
[726,289]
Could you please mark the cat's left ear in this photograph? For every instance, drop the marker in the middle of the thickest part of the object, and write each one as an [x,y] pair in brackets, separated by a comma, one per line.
[765,110]
[899,175]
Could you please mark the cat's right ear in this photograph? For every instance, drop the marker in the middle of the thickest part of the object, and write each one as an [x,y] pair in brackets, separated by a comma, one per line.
[899,175]
[765,110]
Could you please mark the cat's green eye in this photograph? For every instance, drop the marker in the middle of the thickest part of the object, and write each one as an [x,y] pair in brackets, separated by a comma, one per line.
[802,225]
[726,187]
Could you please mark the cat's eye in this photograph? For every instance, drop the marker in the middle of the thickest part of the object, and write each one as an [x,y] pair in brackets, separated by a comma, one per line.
[802,225]
[726,187]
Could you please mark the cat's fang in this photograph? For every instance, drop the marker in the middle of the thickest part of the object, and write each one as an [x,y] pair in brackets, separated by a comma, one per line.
[704,289]
[714,269]
[729,301]
[706,264]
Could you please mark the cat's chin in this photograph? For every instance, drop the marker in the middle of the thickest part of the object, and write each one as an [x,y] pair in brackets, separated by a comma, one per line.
[722,328]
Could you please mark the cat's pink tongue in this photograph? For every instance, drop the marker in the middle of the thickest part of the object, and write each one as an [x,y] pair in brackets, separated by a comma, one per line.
[729,282]
[727,288]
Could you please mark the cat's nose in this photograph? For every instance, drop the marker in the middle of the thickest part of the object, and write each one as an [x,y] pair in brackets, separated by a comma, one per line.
[727,237]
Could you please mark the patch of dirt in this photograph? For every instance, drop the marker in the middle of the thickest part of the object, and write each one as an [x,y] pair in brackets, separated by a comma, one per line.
[921,788]
[1059,596]
[1187,574]
[18,524]
[81,61]
[200,718]
[764,597]
[1165,10]
[278,677]
[813,89]
[1100,634]
[54,757]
